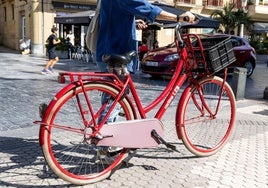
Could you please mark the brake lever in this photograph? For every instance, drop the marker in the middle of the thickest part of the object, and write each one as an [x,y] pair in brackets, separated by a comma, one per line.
[161,25]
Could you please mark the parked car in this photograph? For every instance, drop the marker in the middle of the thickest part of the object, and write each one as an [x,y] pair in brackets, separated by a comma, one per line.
[245,55]
[162,61]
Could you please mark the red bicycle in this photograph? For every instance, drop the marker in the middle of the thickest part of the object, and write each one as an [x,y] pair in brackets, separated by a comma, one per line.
[97,120]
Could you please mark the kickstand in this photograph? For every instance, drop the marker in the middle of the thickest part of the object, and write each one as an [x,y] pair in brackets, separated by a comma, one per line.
[160,140]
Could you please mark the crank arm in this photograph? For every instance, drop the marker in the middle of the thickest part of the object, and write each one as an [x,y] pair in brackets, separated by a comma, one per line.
[160,140]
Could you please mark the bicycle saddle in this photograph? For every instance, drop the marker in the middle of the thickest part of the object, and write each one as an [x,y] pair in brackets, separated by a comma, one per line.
[116,60]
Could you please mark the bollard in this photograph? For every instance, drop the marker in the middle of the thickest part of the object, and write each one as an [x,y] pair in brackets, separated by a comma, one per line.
[265,93]
[239,82]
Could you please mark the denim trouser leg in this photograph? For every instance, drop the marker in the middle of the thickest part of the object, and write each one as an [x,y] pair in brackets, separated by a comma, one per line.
[102,66]
[106,98]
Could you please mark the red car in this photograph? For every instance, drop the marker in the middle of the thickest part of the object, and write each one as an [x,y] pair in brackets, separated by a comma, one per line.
[162,61]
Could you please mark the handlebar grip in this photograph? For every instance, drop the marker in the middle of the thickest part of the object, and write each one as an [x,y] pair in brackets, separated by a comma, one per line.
[186,19]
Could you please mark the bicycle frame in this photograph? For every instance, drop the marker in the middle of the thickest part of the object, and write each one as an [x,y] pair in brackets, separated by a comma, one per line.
[167,95]
[181,74]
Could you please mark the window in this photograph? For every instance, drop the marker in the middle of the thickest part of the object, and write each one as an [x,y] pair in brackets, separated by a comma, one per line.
[5,14]
[187,1]
[263,2]
[23,27]
[13,12]
[213,3]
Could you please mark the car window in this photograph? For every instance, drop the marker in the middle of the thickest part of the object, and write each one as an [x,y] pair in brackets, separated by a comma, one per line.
[236,42]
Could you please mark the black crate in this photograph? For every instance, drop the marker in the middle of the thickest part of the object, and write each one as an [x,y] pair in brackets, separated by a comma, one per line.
[219,52]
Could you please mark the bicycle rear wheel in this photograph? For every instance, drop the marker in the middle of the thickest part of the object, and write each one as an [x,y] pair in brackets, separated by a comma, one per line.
[205,133]
[67,152]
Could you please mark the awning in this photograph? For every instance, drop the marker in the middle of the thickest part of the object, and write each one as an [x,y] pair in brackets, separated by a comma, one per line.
[259,27]
[205,22]
[83,17]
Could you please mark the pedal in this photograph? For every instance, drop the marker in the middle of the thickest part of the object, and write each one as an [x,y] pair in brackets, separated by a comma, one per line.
[131,154]
[42,110]
[160,140]
[122,114]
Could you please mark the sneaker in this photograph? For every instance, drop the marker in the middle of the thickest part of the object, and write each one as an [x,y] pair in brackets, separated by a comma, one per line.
[104,156]
[45,71]
[114,150]
[50,69]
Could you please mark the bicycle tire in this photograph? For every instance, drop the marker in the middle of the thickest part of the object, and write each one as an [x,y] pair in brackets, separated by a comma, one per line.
[202,134]
[65,152]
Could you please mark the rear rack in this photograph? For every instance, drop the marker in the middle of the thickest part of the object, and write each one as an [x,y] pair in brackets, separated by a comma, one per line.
[86,76]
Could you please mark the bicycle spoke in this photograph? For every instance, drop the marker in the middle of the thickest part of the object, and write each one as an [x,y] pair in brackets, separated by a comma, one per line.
[68,150]
[208,121]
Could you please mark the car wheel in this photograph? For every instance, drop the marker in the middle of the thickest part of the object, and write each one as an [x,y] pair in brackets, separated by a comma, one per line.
[250,67]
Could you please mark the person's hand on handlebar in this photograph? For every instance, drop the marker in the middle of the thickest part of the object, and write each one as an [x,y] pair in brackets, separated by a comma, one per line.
[140,24]
[187,17]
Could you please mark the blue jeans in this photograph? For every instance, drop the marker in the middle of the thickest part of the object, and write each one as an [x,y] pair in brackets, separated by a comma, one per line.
[102,66]
[105,98]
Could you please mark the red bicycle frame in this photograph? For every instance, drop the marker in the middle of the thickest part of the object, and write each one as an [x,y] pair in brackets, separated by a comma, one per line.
[182,72]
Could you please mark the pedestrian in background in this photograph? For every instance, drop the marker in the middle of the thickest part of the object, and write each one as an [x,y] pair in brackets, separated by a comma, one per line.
[155,44]
[71,37]
[143,49]
[53,58]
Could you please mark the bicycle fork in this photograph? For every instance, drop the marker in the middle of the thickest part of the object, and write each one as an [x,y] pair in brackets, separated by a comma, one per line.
[204,106]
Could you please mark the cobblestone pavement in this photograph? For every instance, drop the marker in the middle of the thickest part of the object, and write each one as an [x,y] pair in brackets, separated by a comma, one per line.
[241,163]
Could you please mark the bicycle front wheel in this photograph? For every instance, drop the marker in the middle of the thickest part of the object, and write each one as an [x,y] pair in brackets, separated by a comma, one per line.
[65,147]
[205,127]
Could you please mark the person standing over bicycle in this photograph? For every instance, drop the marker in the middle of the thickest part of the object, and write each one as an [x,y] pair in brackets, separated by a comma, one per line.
[117,27]
[117,35]
[117,31]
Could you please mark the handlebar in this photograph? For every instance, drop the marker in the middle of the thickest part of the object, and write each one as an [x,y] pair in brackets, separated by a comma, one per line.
[177,27]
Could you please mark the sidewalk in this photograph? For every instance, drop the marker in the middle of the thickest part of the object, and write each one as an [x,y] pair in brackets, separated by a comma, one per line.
[241,163]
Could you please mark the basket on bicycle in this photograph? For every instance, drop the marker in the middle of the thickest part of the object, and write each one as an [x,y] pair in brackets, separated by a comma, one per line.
[209,54]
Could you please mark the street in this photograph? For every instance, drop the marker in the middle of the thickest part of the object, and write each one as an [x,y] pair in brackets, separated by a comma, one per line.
[241,163]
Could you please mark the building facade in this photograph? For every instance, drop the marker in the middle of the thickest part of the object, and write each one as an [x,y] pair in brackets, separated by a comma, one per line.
[33,19]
